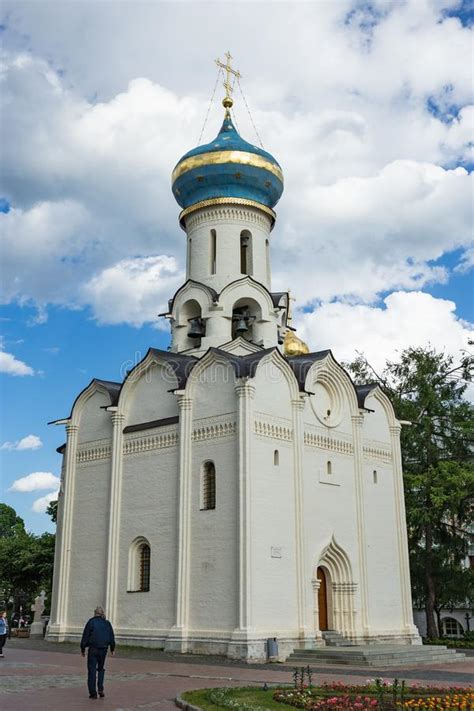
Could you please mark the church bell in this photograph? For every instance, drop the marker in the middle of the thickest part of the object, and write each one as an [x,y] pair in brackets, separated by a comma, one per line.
[241,326]
[196,329]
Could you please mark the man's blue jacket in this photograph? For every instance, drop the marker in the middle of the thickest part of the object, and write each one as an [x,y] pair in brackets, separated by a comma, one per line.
[98,633]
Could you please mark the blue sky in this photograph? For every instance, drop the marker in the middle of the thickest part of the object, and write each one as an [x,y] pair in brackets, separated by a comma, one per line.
[368,108]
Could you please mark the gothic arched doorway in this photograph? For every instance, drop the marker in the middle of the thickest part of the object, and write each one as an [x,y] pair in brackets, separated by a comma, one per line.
[322,600]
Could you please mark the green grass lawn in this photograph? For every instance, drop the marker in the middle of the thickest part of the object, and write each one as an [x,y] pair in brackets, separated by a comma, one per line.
[254,696]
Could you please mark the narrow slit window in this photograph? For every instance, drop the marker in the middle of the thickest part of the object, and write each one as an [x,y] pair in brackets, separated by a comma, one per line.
[329,468]
[375,476]
[190,244]
[213,251]
[144,561]
[267,258]
[276,458]
[208,487]
[245,252]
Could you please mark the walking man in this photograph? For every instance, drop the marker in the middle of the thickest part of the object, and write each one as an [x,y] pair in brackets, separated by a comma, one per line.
[98,636]
[4,630]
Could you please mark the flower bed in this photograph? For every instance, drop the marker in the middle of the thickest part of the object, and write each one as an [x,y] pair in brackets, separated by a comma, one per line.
[376,695]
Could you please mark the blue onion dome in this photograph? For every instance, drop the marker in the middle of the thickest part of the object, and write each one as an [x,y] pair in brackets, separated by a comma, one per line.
[227,169]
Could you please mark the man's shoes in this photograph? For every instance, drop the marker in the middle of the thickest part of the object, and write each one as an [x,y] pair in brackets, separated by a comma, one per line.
[92,696]
[101,694]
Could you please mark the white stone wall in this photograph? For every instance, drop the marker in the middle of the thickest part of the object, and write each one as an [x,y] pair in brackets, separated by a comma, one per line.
[95,422]
[274,603]
[149,504]
[150,398]
[385,610]
[89,541]
[213,602]
[228,222]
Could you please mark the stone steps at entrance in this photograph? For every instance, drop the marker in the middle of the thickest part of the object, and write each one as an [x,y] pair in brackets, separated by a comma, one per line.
[376,655]
[335,639]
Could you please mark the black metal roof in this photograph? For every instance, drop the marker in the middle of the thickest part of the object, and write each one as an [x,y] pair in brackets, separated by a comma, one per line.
[180,363]
[363,391]
[301,364]
[152,424]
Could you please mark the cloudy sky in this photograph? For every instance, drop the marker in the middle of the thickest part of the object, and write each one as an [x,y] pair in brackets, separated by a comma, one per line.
[366,105]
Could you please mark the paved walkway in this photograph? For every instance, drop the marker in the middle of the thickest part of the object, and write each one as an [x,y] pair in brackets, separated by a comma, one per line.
[34,678]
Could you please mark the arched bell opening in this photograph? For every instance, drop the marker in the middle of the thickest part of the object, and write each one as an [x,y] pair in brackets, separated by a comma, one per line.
[246,317]
[191,319]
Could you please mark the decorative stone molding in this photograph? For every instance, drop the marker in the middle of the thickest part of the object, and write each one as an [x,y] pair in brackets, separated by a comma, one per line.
[269,429]
[339,446]
[94,453]
[224,429]
[377,453]
[245,390]
[349,587]
[185,403]
[145,444]
[225,213]
[298,404]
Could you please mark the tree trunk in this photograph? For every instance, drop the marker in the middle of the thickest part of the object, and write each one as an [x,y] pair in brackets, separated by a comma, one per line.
[431,629]
[438,620]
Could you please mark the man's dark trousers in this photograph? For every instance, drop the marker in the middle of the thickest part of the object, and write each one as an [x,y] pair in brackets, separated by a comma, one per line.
[95,666]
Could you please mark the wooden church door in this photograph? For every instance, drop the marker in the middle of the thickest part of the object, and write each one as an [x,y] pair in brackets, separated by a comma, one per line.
[322,600]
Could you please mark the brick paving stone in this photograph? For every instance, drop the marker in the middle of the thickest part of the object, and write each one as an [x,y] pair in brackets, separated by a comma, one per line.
[33,677]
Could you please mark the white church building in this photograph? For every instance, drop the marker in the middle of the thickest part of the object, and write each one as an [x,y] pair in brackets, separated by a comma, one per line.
[235,487]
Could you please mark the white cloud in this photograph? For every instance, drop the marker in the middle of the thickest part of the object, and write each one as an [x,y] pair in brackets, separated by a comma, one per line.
[373,196]
[133,290]
[12,366]
[406,319]
[35,481]
[40,505]
[29,442]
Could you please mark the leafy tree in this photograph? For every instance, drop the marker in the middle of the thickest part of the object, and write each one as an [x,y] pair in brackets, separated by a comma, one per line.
[52,510]
[427,389]
[26,560]
[10,523]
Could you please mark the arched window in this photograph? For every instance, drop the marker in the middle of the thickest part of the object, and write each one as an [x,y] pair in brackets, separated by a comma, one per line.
[139,566]
[276,458]
[213,251]
[375,476]
[329,468]
[245,252]
[144,567]
[208,486]
[451,627]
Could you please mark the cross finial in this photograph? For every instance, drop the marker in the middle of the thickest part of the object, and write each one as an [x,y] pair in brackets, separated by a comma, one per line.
[289,314]
[227,101]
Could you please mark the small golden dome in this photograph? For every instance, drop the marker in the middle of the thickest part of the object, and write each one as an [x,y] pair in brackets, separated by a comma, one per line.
[294,346]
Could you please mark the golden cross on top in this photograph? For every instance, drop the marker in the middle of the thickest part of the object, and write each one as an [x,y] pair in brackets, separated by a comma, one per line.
[227,102]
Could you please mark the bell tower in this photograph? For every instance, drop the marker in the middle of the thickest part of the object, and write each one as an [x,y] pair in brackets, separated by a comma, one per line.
[227,190]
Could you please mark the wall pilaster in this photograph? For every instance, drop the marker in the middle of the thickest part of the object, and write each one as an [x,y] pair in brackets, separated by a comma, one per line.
[357,423]
[297,407]
[402,537]
[67,514]
[316,584]
[111,588]
[184,512]
[245,392]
